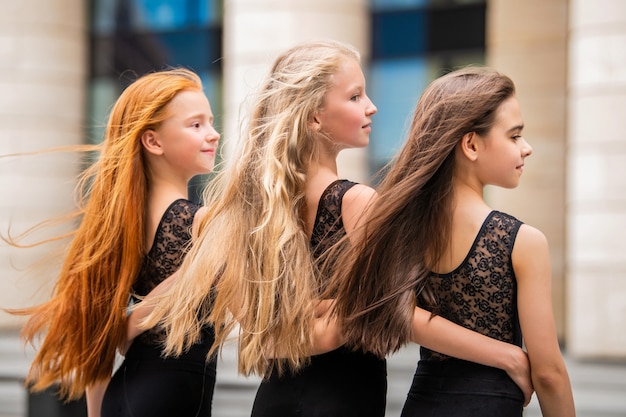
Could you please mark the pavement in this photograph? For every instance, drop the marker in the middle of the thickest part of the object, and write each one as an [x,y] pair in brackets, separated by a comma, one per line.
[599,387]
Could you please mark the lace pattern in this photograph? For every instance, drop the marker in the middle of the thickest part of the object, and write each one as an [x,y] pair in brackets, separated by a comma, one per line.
[481,293]
[166,254]
[328,228]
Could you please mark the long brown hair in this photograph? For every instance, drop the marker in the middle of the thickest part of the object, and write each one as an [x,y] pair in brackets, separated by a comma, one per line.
[252,253]
[408,226]
[85,320]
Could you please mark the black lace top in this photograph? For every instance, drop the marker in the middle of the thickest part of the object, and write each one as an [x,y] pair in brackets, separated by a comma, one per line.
[481,293]
[328,228]
[341,382]
[170,244]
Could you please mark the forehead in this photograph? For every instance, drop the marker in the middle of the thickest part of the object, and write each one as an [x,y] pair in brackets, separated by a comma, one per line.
[509,113]
[348,74]
[187,100]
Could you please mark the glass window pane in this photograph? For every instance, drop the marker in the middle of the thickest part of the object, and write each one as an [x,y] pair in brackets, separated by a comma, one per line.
[103,17]
[397,4]
[413,4]
[154,14]
[160,14]
[103,93]
[394,86]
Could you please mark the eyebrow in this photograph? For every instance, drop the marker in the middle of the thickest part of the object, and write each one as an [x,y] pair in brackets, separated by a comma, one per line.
[200,114]
[514,128]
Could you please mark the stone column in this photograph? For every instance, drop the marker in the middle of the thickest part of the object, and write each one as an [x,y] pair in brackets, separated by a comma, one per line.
[596,260]
[255,31]
[527,40]
[42,78]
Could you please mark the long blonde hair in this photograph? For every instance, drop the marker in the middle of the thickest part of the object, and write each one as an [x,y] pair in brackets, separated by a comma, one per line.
[85,320]
[252,256]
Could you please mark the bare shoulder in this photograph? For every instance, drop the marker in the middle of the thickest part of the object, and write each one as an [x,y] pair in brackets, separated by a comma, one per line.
[531,249]
[197,219]
[530,238]
[358,198]
[355,203]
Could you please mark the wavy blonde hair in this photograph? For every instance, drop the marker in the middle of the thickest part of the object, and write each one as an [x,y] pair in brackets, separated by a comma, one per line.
[251,266]
[84,322]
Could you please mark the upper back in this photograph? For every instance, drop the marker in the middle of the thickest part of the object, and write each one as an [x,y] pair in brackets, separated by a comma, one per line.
[480,293]
[328,227]
[171,239]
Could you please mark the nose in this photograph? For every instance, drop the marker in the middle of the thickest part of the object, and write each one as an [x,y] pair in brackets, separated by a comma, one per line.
[212,134]
[527,150]
[371,108]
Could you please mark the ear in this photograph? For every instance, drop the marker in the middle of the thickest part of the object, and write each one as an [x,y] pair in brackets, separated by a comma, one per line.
[151,143]
[314,124]
[469,146]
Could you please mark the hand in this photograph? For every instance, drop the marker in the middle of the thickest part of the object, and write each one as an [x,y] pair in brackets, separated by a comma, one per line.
[327,335]
[519,371]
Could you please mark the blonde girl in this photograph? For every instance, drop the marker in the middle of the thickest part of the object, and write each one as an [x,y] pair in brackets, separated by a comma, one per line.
[431,239]
[276,209]
[135,222]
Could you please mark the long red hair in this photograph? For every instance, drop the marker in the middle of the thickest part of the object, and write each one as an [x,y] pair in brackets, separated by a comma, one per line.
[84,322]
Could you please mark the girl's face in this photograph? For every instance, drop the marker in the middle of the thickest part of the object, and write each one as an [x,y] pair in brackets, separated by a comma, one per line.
[346,113]
[501,159]
[188,139]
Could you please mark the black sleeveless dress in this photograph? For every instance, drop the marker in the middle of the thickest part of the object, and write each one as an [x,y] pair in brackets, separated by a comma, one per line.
[340,383]
[146,384]
[480,294]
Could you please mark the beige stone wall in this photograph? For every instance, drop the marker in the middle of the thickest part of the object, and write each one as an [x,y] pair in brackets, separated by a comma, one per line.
[596,201]
[42,79]
[255,31]
[527,40]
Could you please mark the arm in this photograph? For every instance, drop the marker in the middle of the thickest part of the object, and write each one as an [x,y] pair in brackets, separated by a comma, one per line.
[141,310]
[327,335]
[94,396]
[446,337]
[531,263]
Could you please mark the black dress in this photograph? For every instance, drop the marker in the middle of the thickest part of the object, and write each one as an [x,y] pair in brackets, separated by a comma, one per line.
[480,294]
[341,383]
[146,384]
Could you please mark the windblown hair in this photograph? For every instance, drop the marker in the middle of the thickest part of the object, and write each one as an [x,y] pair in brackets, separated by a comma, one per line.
[84,322]
[252,259]
[409,224]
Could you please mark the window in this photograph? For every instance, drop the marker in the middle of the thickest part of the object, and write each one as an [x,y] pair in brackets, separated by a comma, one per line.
[413,42]
[132,37]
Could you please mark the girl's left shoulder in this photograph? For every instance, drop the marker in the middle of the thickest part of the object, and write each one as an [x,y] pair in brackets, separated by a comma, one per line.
[355,204]
[358,197]
[530,241]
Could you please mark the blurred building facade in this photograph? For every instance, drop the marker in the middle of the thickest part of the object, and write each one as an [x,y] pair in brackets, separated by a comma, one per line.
[63,63]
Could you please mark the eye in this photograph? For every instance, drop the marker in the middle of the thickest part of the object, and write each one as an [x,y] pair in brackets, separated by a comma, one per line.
[195,125]
[516,137]
[355,97]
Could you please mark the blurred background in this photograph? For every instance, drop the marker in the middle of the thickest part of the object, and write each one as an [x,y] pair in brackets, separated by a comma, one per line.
[64,62]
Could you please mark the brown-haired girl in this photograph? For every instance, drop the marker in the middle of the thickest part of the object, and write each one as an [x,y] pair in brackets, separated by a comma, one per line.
[431,239]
